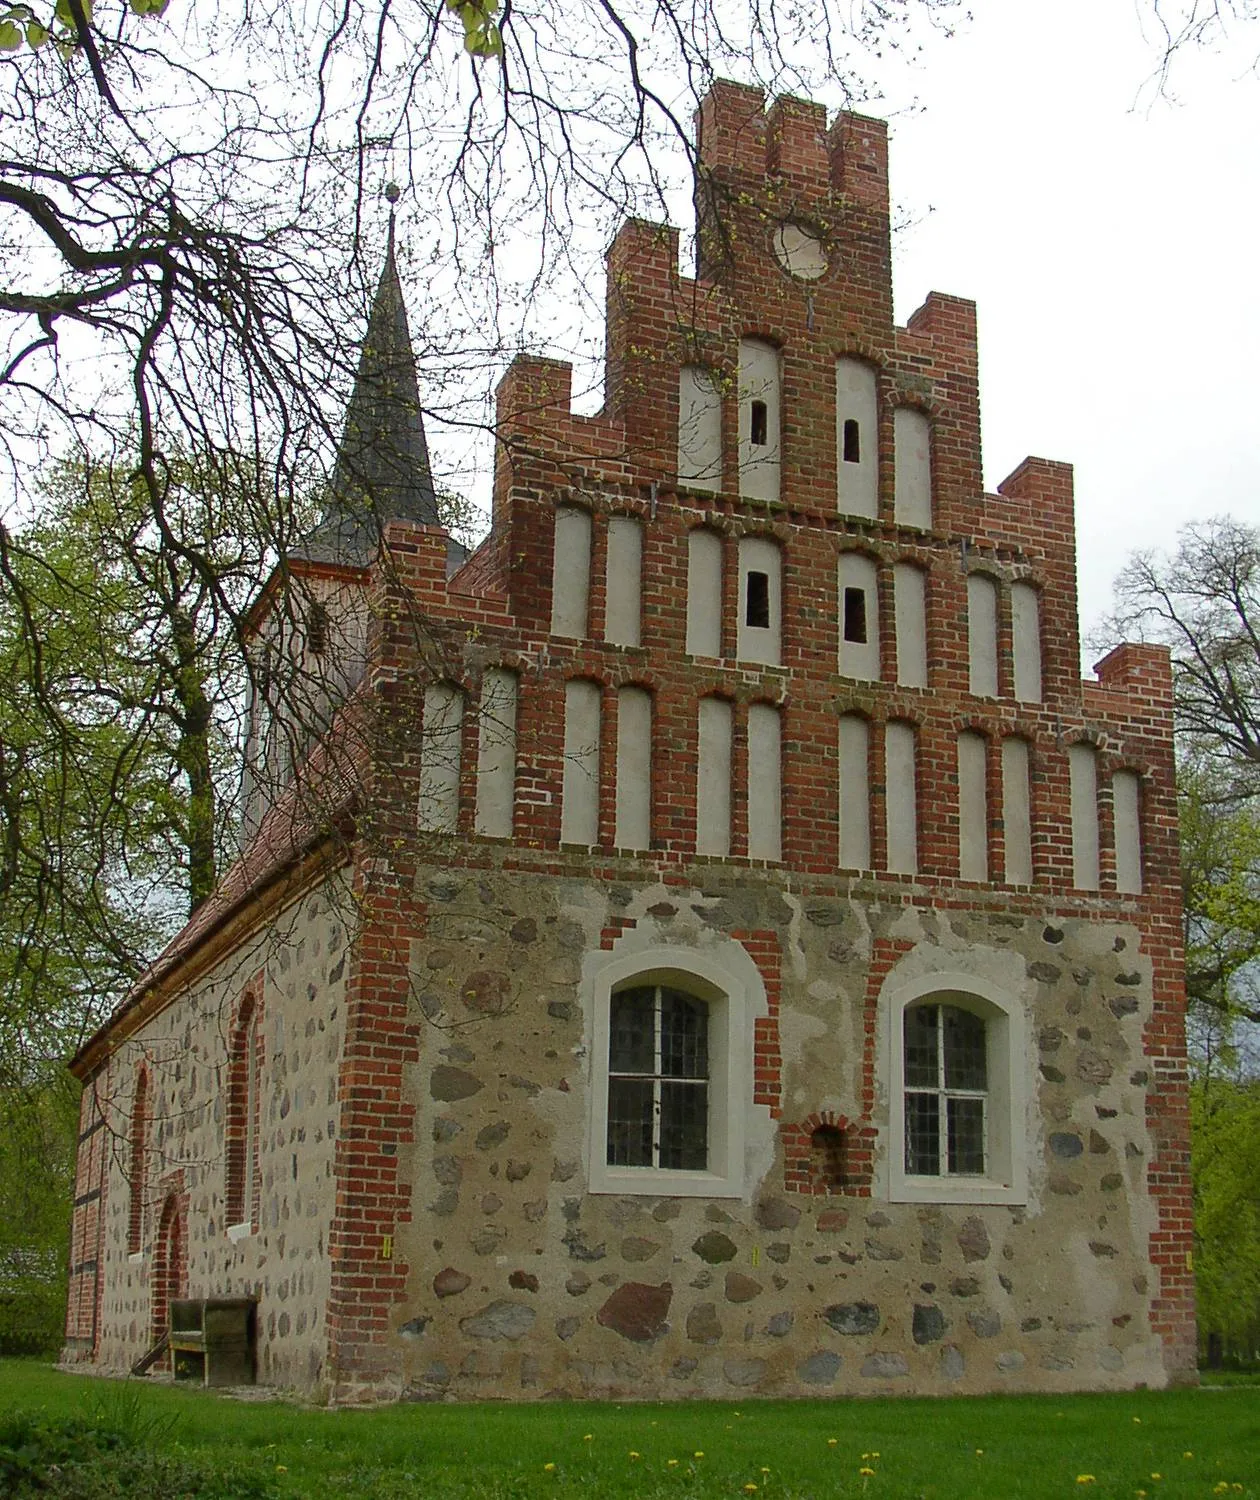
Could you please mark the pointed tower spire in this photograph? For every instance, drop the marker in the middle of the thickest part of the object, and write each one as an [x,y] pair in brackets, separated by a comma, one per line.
[383,471]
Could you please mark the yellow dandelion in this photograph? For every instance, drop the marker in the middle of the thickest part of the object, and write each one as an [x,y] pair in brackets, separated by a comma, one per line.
[867,1472]
[1157,1476]
[1138,1420]
[1187,1454]
[1086,1479]
[831,1442]
[282,1468]
[979,1452]
[865,1456]
[765,1471]
[875,1454]
[1141,1494]
[1222,1488]
[671,1463]
[750,1488]
[549,1468]
[633,1454]
[698,1453]
[588,1437]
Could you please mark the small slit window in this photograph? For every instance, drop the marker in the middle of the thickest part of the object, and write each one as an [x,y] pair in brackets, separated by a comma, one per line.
[855,616]
[852,442]
[757,600]
[317,629]
[759,424]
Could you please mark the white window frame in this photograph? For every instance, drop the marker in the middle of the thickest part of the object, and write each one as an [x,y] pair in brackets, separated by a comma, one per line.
[1007,1132]
[727,979]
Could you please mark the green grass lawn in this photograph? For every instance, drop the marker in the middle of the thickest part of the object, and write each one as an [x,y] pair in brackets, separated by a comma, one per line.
[1161,1446]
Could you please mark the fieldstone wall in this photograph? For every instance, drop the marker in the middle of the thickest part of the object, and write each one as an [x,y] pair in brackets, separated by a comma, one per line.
[522,1283]
[301,958]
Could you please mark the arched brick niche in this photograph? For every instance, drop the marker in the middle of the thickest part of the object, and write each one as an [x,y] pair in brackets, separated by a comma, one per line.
[826,1153]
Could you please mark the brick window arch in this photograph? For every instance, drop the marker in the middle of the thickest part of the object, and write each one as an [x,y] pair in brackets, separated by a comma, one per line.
[242,1114]
[139,1152]
[170,1263]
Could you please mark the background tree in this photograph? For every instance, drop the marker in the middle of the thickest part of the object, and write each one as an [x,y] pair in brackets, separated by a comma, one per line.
[1204,603]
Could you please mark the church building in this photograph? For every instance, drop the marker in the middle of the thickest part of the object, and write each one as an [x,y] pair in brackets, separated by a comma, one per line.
[707,942]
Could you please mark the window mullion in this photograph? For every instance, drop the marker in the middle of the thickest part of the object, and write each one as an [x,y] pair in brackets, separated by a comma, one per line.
[942,1097]
[657,1020]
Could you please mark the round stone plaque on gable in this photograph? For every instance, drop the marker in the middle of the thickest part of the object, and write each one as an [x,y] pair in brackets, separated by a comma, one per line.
[799,252]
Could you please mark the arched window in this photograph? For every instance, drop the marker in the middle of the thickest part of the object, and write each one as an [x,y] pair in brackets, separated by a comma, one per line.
[658,1079]
[139,1154]
[671,1068]
[242,1117]
[957,1114]
[945,1051]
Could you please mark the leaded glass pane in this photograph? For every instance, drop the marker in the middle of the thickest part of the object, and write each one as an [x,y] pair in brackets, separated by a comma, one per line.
[631,1047]
[923,1135]
[922,1058]
[630,1122]
[966,1137]
[684,1036]
[684,1126]
[964,1049]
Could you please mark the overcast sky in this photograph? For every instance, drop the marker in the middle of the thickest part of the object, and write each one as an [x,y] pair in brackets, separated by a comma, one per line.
[1109,238]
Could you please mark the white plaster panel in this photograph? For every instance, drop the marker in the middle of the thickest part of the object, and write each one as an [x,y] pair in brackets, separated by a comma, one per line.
[858,658]
[982,607]
[571,572]
[759,554]
[973,809]
[855,793]
[901,798]
[759,463]
[912,457]
[579,811]
[704,593]
[441,736]
[765,782]
[910,607]
[857,482]
[624,581]
[1126,801]
[1083,774]
[1026,642]
[699,429]
[496,754]
[634,768]
[1016,812]
[713,778]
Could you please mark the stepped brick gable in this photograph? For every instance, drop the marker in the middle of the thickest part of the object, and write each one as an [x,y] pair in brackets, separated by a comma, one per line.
[717,945]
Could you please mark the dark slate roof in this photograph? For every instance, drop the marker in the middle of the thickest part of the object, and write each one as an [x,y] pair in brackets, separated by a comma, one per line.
[382,471]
